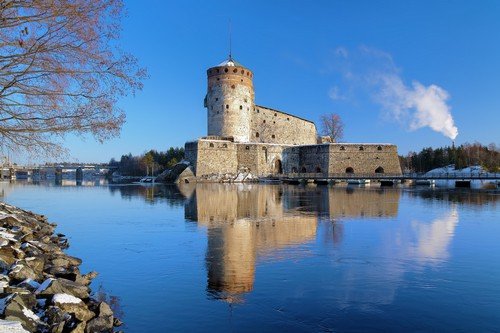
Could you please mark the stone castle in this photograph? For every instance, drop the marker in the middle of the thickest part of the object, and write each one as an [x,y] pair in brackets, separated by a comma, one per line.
[246,138]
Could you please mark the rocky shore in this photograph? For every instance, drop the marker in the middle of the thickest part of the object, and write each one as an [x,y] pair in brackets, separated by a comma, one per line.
[41,287]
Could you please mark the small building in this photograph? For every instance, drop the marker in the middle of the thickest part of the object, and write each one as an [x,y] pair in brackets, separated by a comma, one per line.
[243,137]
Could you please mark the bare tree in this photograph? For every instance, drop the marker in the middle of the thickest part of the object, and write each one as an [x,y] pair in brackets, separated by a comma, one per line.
[332,126]
[61,71]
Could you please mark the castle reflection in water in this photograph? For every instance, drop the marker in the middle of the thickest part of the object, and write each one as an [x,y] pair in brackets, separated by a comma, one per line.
[245,222]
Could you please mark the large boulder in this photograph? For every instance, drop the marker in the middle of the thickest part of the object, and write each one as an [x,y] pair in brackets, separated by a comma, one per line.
[52,286]
[73,305]
[103,322]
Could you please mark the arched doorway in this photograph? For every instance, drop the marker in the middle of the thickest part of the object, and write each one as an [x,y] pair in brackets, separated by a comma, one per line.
[379,170]
[277,168]
[349,170]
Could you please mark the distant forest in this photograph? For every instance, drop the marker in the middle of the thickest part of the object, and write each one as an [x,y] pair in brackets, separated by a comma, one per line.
[148,163]
[462,156]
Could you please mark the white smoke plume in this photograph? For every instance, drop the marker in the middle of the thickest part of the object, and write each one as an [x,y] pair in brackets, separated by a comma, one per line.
[415,106]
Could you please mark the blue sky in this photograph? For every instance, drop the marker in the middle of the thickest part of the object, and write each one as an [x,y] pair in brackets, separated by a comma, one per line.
[311,58]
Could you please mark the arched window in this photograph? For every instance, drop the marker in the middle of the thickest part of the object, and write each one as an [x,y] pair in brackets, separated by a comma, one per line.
[211,144]
[227,106]
[226,70]
[379,148]
[257,134]
[349,170]
[379,170]
[361,148]
[318,169]
[273,136]
[235,70]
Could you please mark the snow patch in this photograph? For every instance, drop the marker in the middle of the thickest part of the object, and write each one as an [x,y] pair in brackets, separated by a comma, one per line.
[65,298]
[8,326]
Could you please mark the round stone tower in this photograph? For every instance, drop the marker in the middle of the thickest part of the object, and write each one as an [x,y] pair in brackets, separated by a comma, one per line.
[230,100]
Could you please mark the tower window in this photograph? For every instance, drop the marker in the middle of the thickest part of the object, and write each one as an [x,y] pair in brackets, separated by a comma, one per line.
[241,107]
[288,119]
[235,70]
[361,148]
[241,80]
[247,147]
[275,114]
[257,134]
[227,106]
[211,144]
[242,71]
[226,70]
[273,136]
[379,148]
[264,121]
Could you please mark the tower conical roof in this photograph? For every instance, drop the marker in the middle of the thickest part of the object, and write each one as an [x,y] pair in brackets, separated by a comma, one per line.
[231,63]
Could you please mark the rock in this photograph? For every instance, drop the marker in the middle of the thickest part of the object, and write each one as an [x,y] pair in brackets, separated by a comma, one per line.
[117,322]
[36,263]
[86,279]
[14,308]
[8,326]
[103,322]
[21,271]
[71,304]
[80,328]
[66,261]
[57,319]
[62,286]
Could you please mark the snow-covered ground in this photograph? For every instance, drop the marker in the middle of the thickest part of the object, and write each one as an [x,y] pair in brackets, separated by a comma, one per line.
[475,170]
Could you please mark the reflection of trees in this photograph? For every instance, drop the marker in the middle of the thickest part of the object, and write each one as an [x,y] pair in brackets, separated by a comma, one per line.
[153,194]
[465,197]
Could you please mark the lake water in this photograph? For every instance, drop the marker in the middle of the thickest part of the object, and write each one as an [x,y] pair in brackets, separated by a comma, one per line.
[267,258]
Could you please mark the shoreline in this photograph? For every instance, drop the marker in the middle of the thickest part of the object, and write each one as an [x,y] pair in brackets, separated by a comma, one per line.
[41,287]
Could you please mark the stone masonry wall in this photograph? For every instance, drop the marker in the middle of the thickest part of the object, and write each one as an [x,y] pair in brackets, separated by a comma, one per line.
[273,126]
[338,158]
[230,102]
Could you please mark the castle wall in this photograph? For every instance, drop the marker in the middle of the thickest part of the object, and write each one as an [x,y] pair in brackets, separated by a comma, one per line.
[212,157]
[273,126]
[337,158]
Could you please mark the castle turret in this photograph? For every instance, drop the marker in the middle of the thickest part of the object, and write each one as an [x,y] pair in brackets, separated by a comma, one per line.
[230,100]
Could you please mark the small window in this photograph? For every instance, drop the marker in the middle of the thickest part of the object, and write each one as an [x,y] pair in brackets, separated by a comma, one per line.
[257,110]
[224,145]
[257,134]
[248,73]
[226,70]
[241,80]
[227,106]
[274,122]
[361,148]
[318,169]
[349,170]
[247,147]
[218,79]
[233,86]
[211,145]
[241,107]
[216,99]
[217,112]
[379,148]
[245,100]
[303,170]
[273,136]
[342,148]
[242,71]
[264,121]
[264,148]
[288,119]
[275,114]
[235,70]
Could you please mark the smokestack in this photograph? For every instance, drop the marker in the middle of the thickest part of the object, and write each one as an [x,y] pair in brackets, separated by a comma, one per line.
[453,144]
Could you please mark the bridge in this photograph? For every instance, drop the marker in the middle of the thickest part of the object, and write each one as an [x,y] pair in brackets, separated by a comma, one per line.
[13,171]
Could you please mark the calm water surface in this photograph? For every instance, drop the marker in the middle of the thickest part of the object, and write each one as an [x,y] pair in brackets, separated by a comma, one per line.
[267,258]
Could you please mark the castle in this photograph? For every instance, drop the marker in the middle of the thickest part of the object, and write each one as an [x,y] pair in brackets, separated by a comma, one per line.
[246,138]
